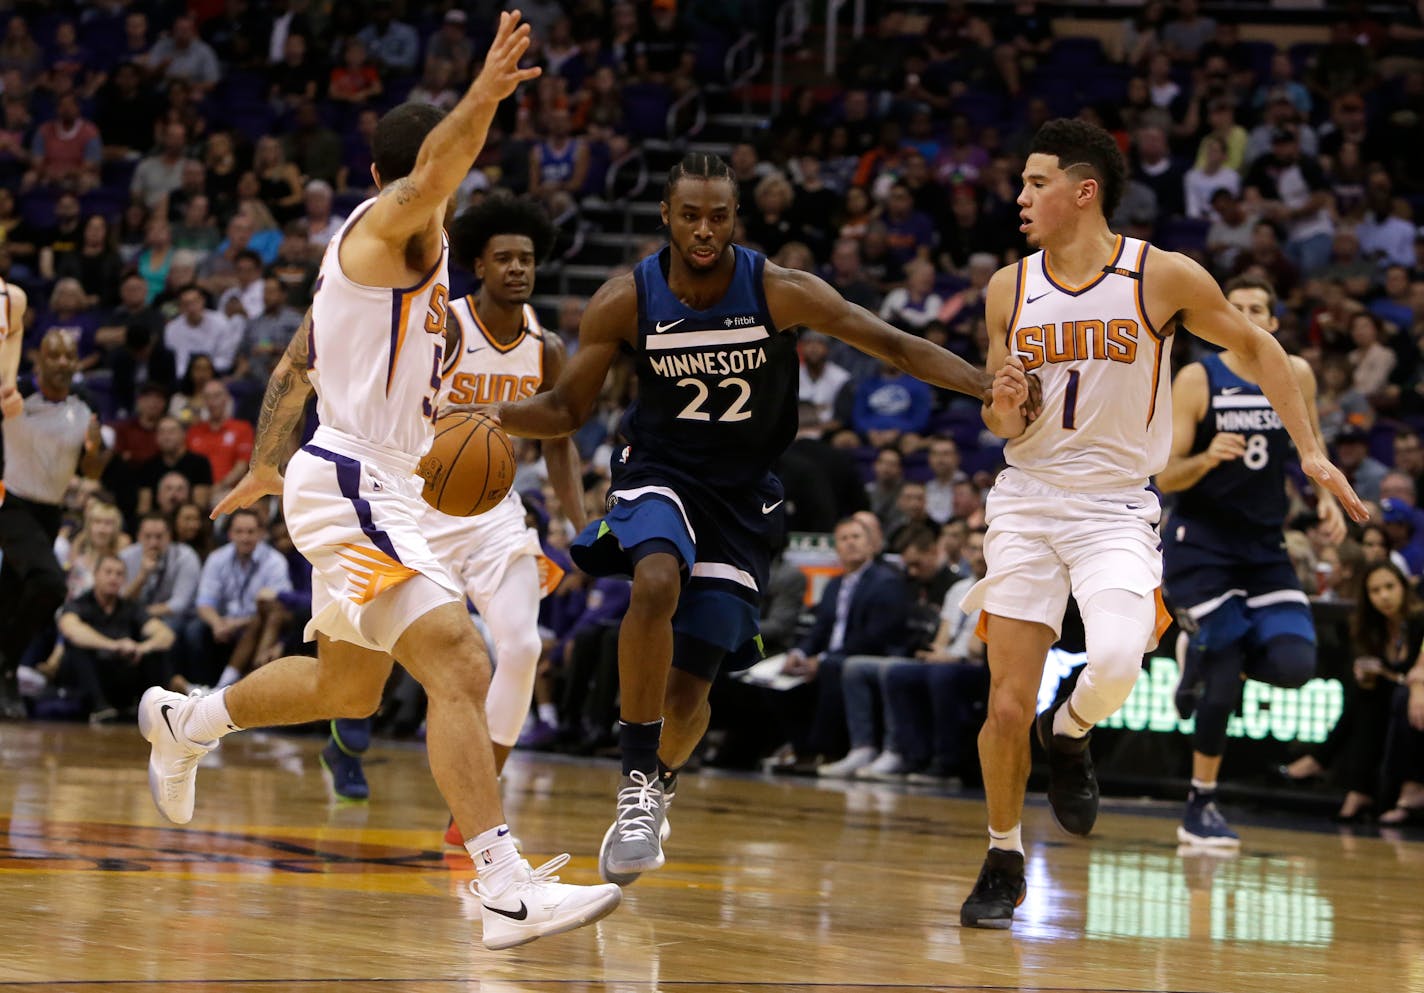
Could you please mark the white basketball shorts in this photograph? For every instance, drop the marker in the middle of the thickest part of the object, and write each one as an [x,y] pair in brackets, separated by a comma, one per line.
[478,550]
[1044,543]
[355,513]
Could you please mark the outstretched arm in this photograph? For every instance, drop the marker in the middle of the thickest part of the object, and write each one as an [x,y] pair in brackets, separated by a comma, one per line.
[1004,410]
[1208,315]
[610,320]
[283,407]
[560,454]
[411,204]
[799,298]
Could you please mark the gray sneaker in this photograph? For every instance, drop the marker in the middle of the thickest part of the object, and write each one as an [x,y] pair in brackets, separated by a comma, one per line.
[633,843]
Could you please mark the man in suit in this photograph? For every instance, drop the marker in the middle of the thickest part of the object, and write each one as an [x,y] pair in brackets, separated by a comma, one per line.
[864,611]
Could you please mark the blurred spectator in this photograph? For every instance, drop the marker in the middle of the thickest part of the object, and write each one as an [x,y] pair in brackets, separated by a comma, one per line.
[312,146]
[911,516]
[79,554]
[436,86]
[909,232]
[769,220]
[822,483]
[192,528]
[356,80]
[224,440]
[1212,173]
[20,52]
[1353,459]
[821,379]
[244,298]
[196,232]
[1385,232]
[183,55]
[162,574]
[1387,625]
[891,408]
[559,163]
[1155,169]
[1371,360]
[68,315]
[862,611]
[173,457]
[887,478]
[141,358]
[945,472]
[1342,65]
[1265,252]
[198,329]
[96,265]
[136,438]
[848,276]
[267,334]
[913,306]
[67,150]
[936,702]
[113,650]
[238,620]
[394,45]
[297,77]
[664,51]
[452,44]
[161,172]
[1141,34]
[1184,36]
[280,181]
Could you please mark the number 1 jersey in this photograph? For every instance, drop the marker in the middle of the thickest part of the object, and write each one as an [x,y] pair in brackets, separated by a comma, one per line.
[717,388]
[1106,423]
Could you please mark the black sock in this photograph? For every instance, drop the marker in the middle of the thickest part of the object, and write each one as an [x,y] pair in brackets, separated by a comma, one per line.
[639,744]
[668,776]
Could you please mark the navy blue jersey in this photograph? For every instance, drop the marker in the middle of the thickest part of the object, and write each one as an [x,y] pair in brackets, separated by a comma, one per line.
[717,388]
[1248,493]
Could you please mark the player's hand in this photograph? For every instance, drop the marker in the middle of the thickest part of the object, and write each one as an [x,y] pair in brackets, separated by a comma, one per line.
[11,403]
[251,488]
[501,74]
[1010,390]
[490,410]
[1226,446]
[1318,468]
[1332,521]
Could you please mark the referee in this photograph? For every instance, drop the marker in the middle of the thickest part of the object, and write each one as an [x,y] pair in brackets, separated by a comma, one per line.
[53,433]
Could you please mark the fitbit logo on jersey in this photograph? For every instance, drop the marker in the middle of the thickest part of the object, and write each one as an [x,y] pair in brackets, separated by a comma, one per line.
[739,322]
[709,363]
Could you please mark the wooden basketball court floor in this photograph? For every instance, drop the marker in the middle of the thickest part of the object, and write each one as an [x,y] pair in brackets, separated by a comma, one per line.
[771,885]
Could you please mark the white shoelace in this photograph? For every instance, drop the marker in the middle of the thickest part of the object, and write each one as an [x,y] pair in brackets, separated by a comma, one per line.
[546,873]
[637,808]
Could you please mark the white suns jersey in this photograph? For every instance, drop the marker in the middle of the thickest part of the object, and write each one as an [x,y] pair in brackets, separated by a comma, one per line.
[480,370]
[1107,406]
[376,352]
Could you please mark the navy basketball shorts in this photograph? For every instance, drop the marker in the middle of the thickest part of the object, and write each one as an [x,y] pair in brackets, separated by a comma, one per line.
[1224,587]
[722,535]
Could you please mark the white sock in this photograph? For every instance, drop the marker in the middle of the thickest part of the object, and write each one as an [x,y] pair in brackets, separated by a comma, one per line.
[549,714]
[208,719]
[1202,786]
[228,677]
[1007,841]
[1063,722]
[495,858]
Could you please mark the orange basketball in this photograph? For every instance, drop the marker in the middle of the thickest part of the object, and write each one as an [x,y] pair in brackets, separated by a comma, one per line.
[470,465]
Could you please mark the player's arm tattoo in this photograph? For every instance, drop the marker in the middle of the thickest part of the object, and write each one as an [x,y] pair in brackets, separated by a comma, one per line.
[284,402]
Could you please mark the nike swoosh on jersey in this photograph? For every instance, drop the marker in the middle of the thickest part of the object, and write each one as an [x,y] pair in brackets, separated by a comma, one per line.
[661,327]
[1037,298]
[766,510]
[1231,391]
[471,351]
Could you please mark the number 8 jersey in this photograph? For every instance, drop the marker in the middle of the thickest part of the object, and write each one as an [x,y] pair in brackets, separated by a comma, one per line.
[717,388]
[1107,407]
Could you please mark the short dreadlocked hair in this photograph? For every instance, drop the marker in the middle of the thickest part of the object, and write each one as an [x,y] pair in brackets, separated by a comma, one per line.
[699,165]
[1078,143]
[498,215]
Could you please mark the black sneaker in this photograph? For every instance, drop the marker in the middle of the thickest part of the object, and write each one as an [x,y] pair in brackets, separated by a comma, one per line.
[1072,787]
[998,890]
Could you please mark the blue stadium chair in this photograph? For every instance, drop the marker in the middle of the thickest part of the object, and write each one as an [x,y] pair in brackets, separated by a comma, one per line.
[37,208]
[1077,54]
[645,108]
[243,86]
[1182,234]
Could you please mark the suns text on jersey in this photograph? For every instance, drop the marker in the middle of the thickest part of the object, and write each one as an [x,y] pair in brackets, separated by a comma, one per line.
[1071,341]
[719,363]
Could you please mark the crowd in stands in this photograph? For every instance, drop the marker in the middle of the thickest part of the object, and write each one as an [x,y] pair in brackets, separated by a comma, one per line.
[170,175]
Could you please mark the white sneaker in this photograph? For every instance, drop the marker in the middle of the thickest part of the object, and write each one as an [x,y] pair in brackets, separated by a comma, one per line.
[173,762]
[888,767]
[537,904]
[858,758]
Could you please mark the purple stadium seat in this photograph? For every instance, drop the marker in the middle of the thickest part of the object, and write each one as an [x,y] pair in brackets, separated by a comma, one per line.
[1180,234]
[645,107]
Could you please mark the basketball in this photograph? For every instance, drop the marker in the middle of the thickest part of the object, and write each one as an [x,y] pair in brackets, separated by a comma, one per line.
[470,465]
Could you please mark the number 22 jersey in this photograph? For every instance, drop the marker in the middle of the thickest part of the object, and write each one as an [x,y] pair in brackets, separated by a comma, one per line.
[1107,407]
[717,388]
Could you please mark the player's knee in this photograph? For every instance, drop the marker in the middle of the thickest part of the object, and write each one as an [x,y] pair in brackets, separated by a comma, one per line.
[657,583]
[1010,711]
[1290,661]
